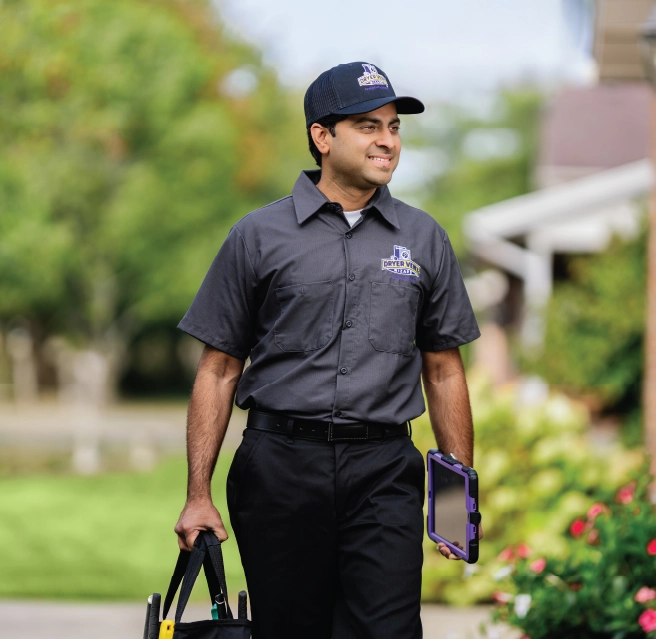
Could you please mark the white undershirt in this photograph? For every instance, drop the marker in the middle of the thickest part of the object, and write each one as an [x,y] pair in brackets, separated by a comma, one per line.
[352,216]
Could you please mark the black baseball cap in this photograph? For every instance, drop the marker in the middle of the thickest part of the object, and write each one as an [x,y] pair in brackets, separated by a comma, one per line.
[356,87]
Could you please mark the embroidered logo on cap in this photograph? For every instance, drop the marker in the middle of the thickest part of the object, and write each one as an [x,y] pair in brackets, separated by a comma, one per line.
[400,263]
[371,77]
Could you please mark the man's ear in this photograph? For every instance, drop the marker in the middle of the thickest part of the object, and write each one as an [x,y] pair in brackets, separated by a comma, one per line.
[322,137]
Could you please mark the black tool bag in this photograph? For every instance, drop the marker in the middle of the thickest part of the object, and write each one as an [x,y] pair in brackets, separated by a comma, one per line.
[206,553]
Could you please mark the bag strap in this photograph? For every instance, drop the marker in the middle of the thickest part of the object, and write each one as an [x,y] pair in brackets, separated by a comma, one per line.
[187,569]
[218,569]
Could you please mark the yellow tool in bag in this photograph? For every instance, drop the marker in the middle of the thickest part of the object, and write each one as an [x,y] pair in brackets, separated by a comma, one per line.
[166,629]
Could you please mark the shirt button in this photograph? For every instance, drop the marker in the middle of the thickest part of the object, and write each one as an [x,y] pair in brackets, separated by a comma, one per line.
[351,277]
[343,370]
[349,236]
[349,323]
[338,413]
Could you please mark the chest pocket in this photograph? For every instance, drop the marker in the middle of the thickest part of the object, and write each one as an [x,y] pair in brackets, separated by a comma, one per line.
[306,316]
[392,317]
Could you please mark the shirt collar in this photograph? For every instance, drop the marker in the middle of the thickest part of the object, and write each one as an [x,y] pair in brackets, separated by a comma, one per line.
[308,199]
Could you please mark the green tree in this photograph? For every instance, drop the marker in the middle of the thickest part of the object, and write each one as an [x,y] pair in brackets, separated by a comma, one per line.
[595,330]
[129,149]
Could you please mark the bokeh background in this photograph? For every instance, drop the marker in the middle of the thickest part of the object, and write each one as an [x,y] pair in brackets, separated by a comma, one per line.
[134,133]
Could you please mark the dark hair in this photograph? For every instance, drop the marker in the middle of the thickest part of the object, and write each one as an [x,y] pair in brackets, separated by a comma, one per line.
[329,122]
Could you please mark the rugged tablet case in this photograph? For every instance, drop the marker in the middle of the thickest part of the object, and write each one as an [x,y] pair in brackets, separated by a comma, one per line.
[470,553]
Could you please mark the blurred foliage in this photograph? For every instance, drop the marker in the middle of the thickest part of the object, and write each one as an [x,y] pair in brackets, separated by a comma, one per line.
[129,149]
[594,330]
[604,587]
[104,537]
[537,471]
[489,159]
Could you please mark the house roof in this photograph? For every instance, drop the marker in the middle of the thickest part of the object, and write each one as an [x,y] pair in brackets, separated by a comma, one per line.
[602,127]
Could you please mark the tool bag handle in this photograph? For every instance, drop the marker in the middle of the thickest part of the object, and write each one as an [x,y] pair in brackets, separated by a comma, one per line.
[207,553]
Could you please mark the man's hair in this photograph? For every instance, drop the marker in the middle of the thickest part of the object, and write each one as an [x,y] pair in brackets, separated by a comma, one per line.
[329,122]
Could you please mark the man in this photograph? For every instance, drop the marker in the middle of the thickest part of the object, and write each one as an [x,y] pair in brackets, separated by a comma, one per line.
[342,297]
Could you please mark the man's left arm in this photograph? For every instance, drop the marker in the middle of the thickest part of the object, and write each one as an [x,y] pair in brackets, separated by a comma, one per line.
[445,385]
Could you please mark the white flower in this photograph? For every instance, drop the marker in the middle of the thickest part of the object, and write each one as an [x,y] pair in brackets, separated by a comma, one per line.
[502,572]
[469,570]
[522,604]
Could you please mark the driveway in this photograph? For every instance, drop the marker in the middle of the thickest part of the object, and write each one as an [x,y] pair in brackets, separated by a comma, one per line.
[36,620]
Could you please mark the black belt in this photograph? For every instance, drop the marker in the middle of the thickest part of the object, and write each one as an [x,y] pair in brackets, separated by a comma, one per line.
[322,431]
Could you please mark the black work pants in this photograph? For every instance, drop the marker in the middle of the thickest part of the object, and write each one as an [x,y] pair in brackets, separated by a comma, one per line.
[330,535]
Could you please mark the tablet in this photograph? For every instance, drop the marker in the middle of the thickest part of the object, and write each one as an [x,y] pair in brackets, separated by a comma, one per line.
[453,504]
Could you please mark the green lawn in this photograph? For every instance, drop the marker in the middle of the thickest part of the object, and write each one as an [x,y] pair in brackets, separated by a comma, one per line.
[105,537]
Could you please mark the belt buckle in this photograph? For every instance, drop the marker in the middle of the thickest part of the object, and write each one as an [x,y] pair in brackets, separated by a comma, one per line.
[332,438]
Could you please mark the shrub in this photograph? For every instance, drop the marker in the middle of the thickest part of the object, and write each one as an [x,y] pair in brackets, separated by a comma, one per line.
[537,471]
[605,587]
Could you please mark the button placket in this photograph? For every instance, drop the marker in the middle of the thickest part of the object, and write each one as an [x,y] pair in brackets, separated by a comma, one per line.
[348,338]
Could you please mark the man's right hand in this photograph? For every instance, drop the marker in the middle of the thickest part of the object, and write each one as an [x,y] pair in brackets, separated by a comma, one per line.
[198,515]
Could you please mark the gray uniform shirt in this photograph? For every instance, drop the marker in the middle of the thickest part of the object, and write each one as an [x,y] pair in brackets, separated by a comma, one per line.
[333,318]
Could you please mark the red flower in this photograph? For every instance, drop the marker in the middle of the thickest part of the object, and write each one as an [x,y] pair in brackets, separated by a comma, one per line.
[625,494]
[575,585]
[647,620]
[537,565]
[644,595]
[523,551]
[651,547]
[577,528]
[596,509]
[506,554]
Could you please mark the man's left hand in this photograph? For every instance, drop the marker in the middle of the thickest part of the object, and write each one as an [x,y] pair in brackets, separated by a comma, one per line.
[446,551]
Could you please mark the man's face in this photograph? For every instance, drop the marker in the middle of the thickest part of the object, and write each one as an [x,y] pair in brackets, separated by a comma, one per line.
[366,148]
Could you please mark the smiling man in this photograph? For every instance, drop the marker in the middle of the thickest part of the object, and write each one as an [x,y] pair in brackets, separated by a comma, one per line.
[343,298]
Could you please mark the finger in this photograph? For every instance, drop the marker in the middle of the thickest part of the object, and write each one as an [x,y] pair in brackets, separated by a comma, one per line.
[221,534]
[189,539]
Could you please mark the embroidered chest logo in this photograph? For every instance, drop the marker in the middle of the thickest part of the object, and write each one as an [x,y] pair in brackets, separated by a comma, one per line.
[371,77]
[400,263]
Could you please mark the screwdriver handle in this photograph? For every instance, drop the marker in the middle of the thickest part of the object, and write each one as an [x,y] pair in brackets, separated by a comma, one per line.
[241,605]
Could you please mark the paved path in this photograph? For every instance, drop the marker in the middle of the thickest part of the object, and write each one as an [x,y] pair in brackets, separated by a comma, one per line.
[36,620]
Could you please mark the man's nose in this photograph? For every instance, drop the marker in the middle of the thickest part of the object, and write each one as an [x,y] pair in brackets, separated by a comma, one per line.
[386,139]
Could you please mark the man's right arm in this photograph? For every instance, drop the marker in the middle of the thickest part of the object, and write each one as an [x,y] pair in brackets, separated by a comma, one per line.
[207,421]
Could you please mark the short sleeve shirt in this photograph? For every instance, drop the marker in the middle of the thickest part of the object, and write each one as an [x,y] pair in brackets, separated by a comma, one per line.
[333,318]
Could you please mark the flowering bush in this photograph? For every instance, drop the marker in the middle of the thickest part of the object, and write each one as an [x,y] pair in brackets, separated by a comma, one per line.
[606,585]
[537,471]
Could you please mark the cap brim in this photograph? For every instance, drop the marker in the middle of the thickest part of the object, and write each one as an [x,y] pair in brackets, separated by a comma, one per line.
[404,105]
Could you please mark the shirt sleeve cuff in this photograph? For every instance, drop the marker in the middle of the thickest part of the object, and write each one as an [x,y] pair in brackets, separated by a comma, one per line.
[210,340]
[443,345]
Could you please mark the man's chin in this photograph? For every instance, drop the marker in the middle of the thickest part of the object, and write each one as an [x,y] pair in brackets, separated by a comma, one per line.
[378,178]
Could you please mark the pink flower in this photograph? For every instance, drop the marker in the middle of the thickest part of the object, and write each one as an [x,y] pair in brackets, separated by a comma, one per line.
[523,551]
[625,494]
[647,620]
[597,509]
[577,528]
[651,547]
[501,597]
[506,554]
[537,565]
[593,537]
[644,595]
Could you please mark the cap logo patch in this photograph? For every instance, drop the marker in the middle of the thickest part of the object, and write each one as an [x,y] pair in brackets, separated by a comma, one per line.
[400,263]
[371,77]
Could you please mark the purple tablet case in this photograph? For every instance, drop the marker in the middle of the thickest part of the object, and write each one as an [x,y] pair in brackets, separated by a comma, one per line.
[451,464]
